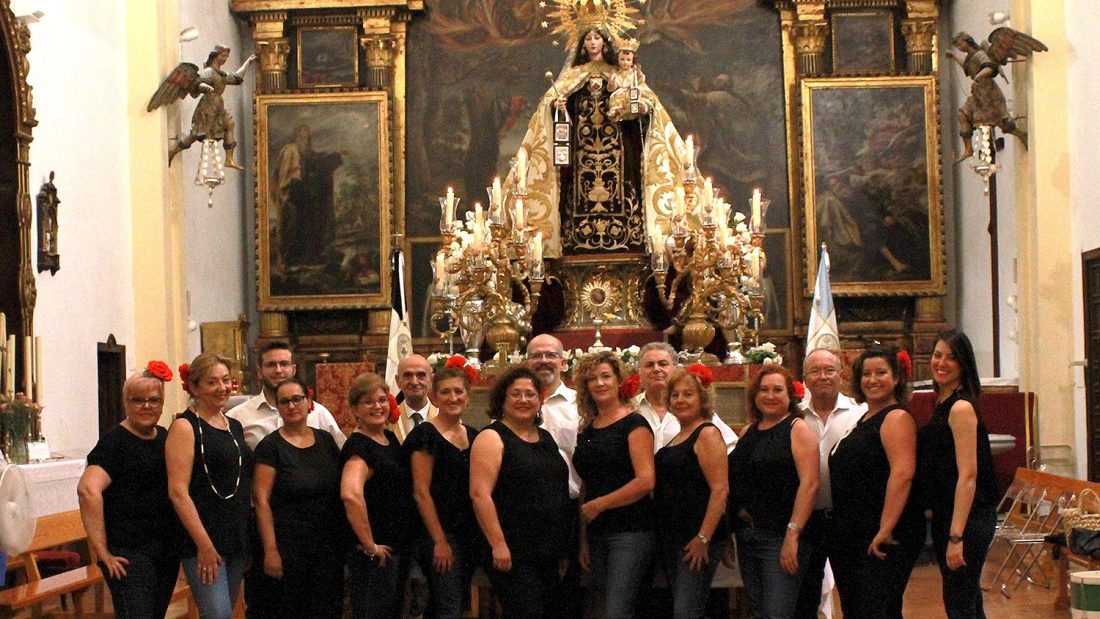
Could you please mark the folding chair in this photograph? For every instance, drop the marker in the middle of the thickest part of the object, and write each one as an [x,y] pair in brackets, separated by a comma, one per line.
[1035,513]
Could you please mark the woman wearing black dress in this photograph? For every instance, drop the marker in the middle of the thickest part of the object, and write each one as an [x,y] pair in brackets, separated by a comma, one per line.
[880,526]
[773,481]
[124,502]
[958,477]
[692,486]
[210,485]
[440,456]
[377,492]
[296,488]
[614,458]
[519,488]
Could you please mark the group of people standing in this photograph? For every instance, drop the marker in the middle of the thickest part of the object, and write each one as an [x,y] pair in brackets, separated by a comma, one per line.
[637,492]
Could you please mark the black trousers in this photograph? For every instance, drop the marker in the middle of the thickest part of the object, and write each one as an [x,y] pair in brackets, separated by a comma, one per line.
[872,588]
[962,593]
[817,536]
[525,591]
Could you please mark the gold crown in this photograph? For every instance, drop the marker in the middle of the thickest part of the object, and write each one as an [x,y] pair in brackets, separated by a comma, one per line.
[576,17]
[626,45]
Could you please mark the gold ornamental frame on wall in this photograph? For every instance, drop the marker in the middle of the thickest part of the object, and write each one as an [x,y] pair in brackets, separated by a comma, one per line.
[324,201]
[871,183]
[310,74]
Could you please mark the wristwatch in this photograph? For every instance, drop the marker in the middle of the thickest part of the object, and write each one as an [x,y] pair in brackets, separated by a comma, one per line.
[793,526]
[954,539]
[703,538]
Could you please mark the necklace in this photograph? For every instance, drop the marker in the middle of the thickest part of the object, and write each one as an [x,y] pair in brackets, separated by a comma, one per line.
[202,453]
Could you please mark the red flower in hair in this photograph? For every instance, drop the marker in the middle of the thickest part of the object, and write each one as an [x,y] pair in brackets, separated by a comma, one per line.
[906,363]
[159,370]
[799,389]
[455,361]
[629,388]
[185,377]
[395,412]
[471,373]
[309,394]
[703,372]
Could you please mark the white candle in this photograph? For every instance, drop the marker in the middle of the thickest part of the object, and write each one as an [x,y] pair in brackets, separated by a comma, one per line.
[536,249]
[449,212]
[38,369]
[521,218]
[691,151]
[479,215]
[9,366]
[497,199]
[679,207]
[754,263]
[4,355]
[440,271]
[756,208]
[521,169]
[708,191]
[658,241]
[28,371]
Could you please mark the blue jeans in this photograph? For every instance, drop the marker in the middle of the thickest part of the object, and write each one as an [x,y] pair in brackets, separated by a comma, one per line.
[621,568]
[146,590]
[689,589]
[962,593]
[216,601]
[448,590]
[772,592]
[377,591]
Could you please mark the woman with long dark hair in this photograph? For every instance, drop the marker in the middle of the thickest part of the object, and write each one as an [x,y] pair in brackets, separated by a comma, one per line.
[957,472]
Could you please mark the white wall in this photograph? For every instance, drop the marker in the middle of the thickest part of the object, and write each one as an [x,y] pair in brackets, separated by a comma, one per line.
[78,72]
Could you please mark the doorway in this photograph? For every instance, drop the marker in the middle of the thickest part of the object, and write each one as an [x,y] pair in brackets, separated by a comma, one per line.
[1090,276]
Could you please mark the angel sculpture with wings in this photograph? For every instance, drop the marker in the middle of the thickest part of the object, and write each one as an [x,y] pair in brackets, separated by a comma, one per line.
[986,104]
[210,120]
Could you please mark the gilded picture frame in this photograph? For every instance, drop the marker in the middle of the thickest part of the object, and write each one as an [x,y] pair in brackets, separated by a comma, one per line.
[871,181]
[327,56]
[324,200]
[863,42]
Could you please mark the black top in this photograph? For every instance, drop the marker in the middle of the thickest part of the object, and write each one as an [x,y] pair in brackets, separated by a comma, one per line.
[531,494]
[602,459]
[450,487]
[388,492]
[305,499]
[136,509]
[226,520]
[859,470]
[939,471]
[763,477]
[681,495]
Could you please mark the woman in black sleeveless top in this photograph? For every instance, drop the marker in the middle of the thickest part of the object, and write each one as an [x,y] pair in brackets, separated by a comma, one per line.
[614,458]
[519,488]
[210,485]
[880,526]
[958,478]
[691,493]
[774,477]
[376,488]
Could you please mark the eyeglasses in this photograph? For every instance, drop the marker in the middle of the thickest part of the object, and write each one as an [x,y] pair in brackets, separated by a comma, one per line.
[523,395]
[271,365]
[145,402]
[823,372]
[294,399]
[545,356]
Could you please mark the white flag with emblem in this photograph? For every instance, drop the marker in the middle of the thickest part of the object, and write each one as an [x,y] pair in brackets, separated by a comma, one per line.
[400,335]
[822,332]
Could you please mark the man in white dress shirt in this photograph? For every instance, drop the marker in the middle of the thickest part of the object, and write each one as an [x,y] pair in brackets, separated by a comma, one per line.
[414,379]
[656,362]
[830,414]
[259,416]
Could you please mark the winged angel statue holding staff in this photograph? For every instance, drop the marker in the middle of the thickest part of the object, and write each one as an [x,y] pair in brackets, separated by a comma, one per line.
[210,120]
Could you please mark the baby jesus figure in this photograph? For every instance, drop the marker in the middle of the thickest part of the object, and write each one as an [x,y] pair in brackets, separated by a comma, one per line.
[630,97]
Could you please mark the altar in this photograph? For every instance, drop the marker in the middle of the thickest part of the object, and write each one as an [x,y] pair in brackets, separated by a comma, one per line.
[53,485]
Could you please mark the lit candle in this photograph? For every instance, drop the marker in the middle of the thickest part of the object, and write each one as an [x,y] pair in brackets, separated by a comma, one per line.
[440,270]
[28,371]
[756,208]
[658,240]
[708,191]
[521,169]
[691,151]
[38,369]
[449,212]
[498,202]
[536,250]
[521,219]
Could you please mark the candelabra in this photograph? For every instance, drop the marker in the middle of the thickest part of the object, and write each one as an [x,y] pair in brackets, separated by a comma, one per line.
[488,274]
[719,269]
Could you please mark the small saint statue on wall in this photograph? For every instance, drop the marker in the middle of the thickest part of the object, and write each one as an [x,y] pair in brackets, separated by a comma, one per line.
[48,257]
[986,105]
[210,121]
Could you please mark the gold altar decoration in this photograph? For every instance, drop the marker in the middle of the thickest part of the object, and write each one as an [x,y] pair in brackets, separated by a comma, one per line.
[722,268]
[575,17]
[483,262]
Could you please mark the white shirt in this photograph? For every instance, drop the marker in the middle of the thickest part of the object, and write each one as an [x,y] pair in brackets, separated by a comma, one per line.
[846,412]
[405,423]
[260,419]
[561,419]
[666,428]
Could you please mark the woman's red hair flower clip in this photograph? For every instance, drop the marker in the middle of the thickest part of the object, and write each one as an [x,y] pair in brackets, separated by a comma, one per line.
[458,361]
[799,389]
[309,394]
[629,388]
[185,377]
[906,363]
[158,370]
[395,412]
[706,377]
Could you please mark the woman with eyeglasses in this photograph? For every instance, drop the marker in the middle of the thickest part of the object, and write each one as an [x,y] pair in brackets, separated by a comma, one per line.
[296,488]
[124,502]
[519,488]
[376,488]
[210,485]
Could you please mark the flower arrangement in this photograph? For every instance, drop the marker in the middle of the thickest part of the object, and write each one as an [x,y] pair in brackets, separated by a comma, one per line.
[764,354]
[17,421]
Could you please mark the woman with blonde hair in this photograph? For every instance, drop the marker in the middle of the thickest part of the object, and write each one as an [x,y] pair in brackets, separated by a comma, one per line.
[614,458]
[210,483]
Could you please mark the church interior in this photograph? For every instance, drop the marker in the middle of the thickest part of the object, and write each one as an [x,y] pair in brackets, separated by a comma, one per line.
[122,242]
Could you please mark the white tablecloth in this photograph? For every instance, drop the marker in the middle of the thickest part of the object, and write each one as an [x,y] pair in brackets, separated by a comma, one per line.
[53,485]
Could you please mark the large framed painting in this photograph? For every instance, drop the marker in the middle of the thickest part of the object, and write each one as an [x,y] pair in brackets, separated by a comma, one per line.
[323,201]
[863,42]
[871,176]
